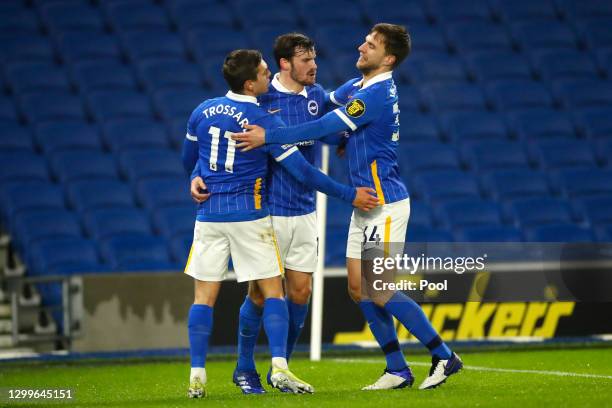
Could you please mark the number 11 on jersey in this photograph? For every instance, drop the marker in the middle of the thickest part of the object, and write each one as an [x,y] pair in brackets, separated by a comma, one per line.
[215,132]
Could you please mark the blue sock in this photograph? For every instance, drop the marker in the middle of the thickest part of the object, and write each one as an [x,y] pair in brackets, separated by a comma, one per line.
[249,325]
[200,325]
[383,328]
[276,325]
[297,316]
[411,315]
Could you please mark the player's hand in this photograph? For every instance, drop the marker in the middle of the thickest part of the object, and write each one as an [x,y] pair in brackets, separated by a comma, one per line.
[198,190]
[254,136]
[365,199]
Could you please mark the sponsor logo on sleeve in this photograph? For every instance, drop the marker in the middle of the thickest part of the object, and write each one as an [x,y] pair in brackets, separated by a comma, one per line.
[355,108]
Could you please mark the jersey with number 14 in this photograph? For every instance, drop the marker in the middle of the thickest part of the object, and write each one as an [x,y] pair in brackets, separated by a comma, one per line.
[371,111]
[236,180]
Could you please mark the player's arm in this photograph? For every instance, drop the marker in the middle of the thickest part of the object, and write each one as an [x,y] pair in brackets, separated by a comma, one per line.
[190,152]
[340,96]
[362,109]
[294,162]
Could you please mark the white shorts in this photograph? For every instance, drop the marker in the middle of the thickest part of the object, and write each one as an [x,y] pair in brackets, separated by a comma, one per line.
[251,244]
[377,228]
[297,241]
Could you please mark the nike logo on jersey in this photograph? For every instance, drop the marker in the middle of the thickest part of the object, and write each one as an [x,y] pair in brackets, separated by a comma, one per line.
[273,111]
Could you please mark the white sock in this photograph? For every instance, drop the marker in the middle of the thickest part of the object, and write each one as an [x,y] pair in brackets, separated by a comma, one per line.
[280,362]
[198,372]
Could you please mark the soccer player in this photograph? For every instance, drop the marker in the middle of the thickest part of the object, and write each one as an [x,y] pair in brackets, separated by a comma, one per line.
[234,220]
[369,110]
[295,98]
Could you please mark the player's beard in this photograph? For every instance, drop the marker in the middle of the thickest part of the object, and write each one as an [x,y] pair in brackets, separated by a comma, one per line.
[365,67]
[309,78]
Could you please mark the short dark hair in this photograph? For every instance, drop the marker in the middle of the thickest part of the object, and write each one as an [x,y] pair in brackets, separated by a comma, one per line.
[241,66]
[285,45]
[396,39]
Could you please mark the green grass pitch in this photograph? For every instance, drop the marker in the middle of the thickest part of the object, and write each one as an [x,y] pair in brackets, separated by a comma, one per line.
[490,379]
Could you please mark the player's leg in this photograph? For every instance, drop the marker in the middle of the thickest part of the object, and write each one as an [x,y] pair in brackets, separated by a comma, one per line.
[207,264]
[299,288]
[250,318]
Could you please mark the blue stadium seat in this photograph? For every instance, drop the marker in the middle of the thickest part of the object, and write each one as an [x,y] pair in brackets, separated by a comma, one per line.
[544,34]
[420,214]
[338,39]
[426,37]
[520,10]
[465,126]
[159,192]
[60,16]
[604,233]
[446,184]
[320,12]
[516,183]
[129,253]
[335,247]
[555,154]
[399,11]
[180,247]
[65,255]
[494,65]
[410,99]
[508,95]
[116,104]
[454,97]
[121,134]
[485,233]
[87,46]
[176,129]
[105,223]
[494,155]
[585,182]
[8,110]
[478,35]
[18,20]
[159,73]
[596,32]
[418,157]
[13,136]
[451,10]
[567,63]
[50,105]
[528,212]
[262,38]
[597,210]
[469,212]
[418,128]
[25,47]
[174,102]
[44,224]
[175,221]
[85,195]
[213,75]
[603,150]
[541,123]
[604,60]
[559,233]
[435,67]
[586,9]
[267,12]
[24,77]
[584,93]
[338,212]
[197,13]
[22,165]
[145,163]
[103,76]
[126,16]
[226,40]
[29,196]
[594,122]
[74,165]
[417,233]
[139,44]
[65,135]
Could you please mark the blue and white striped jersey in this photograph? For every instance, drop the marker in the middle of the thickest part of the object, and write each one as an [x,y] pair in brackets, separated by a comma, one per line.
[235,179]
[371,112]
[287,196]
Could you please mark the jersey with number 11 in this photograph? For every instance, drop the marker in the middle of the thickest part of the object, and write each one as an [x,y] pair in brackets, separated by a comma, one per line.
[236,180]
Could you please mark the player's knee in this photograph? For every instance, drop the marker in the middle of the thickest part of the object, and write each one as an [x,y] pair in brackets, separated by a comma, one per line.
[300,295]
[256,297]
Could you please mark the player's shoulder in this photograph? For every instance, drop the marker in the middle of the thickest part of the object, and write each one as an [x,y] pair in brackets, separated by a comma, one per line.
[316,89]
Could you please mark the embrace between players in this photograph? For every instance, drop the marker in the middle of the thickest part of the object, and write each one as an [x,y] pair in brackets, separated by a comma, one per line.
[252,155]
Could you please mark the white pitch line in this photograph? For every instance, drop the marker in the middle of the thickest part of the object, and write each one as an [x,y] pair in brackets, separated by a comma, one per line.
[499,370]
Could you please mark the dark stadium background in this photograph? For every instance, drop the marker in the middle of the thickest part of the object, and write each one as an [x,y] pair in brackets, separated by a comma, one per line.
[506,127]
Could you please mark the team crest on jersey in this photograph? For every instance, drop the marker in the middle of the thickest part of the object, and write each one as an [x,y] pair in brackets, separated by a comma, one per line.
[313,107]
[356,108]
